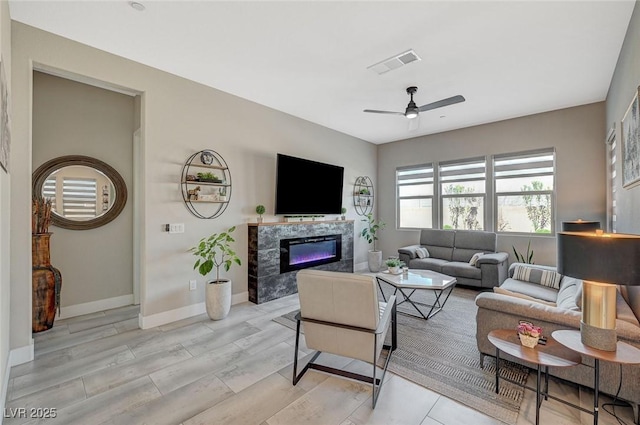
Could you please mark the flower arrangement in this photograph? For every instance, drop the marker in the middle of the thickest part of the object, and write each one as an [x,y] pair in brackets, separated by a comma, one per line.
[529,334]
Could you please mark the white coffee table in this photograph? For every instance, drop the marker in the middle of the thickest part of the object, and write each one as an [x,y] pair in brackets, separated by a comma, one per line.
[425,280]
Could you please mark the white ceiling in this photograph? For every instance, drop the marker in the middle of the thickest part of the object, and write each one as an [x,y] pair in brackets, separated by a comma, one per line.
[310,59]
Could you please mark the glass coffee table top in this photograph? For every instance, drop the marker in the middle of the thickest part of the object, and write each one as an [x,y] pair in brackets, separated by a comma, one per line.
[418,279]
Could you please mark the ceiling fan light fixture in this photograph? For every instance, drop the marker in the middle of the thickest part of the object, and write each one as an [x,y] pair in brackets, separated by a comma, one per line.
[411,113]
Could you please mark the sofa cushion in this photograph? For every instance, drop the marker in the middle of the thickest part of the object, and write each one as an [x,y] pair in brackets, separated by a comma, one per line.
[532,289]
[468,242]
[438,242]
[567,294]
[455,268]
[430,263]
[623,311]
[474,259]
[422,252]
[500,290]
[631,295]
[535,275]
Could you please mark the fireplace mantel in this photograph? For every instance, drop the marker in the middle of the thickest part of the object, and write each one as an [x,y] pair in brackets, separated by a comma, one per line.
[266,283]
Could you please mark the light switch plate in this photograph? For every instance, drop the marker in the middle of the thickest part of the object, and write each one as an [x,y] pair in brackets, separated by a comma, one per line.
[176,228]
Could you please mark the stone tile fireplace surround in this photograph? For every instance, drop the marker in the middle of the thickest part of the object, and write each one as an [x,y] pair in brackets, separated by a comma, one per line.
[267,278]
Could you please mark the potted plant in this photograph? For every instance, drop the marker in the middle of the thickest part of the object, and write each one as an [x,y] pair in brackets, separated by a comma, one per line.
[260,209]
[216,251]
[394,265]
[370,233]
[208,178]
[343,211]
[364,191]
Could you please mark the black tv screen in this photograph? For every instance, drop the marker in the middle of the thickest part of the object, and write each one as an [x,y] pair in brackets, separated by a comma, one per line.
[305,187]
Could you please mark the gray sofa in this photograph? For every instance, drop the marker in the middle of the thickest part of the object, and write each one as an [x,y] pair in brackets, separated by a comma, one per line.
[504,311]
[450,252]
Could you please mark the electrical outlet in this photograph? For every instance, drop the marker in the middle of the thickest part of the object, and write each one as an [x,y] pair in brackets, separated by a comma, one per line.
[193,285]
[176,228]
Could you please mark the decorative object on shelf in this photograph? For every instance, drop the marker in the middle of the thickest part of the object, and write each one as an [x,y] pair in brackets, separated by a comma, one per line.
[529,334]
[260,209]
[207,157]
[602,261]
[370,233]
[363,195]
[215,186]
[527,257]
[215,251]
[343,211]
[193,193]
[394,265]
[631,144]
[46,280]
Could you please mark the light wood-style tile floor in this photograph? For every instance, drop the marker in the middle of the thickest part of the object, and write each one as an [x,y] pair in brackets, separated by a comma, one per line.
[101,369]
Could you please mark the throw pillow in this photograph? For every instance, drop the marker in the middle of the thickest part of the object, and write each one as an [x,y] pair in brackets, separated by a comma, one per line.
[499,290]
[542,277]
[474,259]
[422,252]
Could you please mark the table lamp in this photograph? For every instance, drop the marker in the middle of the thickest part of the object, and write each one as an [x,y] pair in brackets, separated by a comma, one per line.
[580,225]
[601,260]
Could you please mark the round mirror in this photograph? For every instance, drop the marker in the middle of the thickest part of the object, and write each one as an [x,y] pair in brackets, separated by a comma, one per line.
[85,192]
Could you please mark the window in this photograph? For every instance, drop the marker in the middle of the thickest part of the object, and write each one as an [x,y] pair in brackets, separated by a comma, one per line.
[415,196]
[49,191]
[462,194]
[611,174]
[79,197]
[524,192]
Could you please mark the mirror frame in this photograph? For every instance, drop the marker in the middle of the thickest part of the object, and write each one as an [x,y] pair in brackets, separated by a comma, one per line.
[45,170]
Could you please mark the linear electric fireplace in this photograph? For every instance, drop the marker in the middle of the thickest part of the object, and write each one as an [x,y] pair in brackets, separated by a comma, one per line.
[300,253]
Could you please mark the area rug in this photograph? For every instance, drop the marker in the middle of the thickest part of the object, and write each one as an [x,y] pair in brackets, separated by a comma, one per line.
[441,354]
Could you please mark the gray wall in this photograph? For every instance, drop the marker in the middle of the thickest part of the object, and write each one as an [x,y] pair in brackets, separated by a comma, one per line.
[71,118]
[178,117]
[5,289]
[576,133]
[624,85]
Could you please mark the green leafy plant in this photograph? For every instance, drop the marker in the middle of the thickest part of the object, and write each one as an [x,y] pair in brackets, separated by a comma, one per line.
[343,210]
[260,209]
[215,251]
[524,258]
[364,191]
[394,262]
[370,233]
[206,176]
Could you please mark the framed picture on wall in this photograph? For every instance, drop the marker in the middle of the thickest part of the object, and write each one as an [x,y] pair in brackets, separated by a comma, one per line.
[5,134]
[631,144]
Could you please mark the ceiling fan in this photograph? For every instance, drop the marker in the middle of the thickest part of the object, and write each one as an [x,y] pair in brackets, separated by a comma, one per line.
[413,111]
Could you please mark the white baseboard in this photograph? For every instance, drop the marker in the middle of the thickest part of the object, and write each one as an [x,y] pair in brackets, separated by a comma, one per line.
[159,319]
[94,306]
[21,355]
[5,384]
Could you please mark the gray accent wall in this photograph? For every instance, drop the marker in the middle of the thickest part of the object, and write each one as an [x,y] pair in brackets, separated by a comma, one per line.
[71,118]
[576,133]
[624,85]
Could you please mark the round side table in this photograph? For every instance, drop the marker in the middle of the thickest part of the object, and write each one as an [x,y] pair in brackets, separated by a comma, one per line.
[551,354]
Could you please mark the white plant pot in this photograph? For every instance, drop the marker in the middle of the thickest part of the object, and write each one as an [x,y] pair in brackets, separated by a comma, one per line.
[394,270]
[218,299]
[375,261]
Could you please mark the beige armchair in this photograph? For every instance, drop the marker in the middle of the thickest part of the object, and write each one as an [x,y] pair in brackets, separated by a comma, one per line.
[341,315]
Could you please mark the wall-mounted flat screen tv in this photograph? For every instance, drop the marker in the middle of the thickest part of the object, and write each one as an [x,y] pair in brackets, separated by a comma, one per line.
[305,187]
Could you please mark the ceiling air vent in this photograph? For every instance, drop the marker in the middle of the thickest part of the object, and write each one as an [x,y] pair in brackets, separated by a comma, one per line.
[394,62]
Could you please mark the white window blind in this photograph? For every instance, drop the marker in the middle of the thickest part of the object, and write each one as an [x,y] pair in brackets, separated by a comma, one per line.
[49,191]
[414,187]
[462,193]
[525,191]
[79,197]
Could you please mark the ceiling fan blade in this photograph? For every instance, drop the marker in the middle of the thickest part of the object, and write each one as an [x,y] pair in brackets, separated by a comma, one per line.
[440,103]
[383,112]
